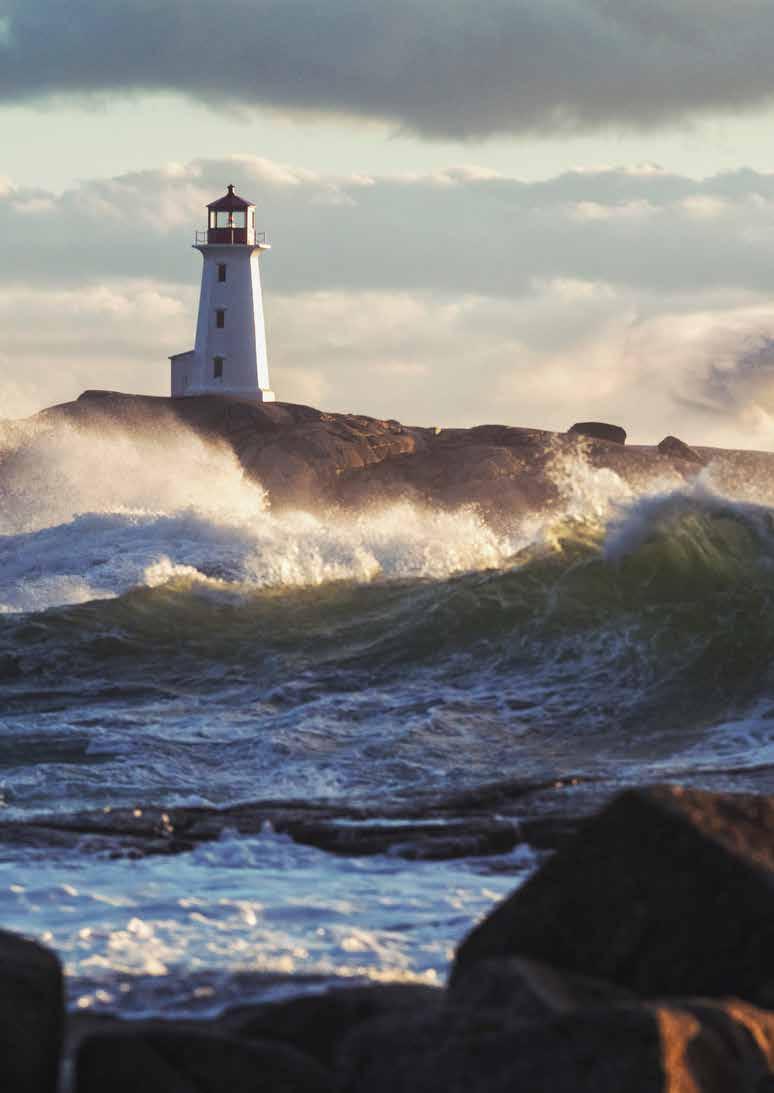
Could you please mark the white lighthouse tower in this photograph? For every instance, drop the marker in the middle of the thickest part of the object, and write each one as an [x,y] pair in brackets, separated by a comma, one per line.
[230,353]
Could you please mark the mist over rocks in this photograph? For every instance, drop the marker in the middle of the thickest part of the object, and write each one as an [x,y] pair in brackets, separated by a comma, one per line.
[310,458]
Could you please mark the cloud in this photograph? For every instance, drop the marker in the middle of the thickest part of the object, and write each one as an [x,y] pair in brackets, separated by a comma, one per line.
[58,341]
[442,68]
[453,298]
[561,352]
[462,230]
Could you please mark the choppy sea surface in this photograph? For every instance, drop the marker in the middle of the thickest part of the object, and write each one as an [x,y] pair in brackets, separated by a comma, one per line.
[166,639]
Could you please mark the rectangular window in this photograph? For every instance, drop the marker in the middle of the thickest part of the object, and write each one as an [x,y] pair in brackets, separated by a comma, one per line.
[220,318]
[221,272]
[240,219]
[217,368]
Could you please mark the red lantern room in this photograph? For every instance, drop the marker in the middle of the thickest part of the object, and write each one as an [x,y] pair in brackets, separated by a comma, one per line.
[231,219]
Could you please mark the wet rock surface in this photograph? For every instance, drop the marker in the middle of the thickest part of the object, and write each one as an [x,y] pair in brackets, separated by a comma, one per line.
[488,821]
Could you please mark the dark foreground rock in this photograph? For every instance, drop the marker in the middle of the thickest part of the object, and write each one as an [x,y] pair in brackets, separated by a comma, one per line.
[535,1028]
[157,1059]
[655,926]
[316,1024]
[528,989]
[31,1016]
[691,1048]
[517,1025]
[639,958]
[667,891]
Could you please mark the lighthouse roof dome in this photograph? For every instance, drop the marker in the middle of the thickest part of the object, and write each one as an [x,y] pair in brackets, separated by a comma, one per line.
[229,202]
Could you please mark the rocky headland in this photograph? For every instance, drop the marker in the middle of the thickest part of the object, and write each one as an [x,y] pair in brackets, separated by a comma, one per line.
[306,457]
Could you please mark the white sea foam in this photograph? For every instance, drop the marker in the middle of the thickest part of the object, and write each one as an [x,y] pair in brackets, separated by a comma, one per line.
[50,476]
[150,937]
[107,554]
[632,524]
[86,517]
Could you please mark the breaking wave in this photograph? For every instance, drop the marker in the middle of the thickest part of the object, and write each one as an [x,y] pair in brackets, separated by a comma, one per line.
[410,643]
[106,554]
[166,637]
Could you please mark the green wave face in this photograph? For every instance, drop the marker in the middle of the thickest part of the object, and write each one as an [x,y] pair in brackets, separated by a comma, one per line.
[201,649]
[660,618]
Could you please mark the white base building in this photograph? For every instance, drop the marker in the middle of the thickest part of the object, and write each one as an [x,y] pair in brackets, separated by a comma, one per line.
[229,357]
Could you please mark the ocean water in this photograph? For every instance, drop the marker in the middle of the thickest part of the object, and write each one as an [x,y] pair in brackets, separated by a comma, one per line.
[166,639]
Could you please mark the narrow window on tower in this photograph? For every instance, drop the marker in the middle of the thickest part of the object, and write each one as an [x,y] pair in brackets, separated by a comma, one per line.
[220,318]
[222,272]
[217,368]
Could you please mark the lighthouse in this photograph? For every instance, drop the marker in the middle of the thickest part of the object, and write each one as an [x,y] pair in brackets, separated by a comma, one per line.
[229,357]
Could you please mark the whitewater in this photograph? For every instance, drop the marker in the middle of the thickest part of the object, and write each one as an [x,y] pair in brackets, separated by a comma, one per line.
[168,640]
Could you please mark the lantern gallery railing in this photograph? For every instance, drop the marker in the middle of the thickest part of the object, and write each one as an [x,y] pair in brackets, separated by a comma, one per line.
[236,236]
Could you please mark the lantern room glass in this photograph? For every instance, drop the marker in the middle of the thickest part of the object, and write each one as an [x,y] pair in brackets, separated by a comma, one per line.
[225,219]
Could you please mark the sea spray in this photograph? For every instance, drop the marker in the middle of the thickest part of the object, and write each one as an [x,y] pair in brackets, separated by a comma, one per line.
[50,475]
[166,637]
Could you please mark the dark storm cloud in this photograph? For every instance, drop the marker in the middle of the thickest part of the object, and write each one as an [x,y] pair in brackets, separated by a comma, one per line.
[438,67]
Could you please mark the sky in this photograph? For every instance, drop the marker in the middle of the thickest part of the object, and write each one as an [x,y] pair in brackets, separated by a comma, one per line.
[479,212]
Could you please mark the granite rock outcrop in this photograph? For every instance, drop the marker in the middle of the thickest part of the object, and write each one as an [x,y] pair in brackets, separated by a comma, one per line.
[310,458]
